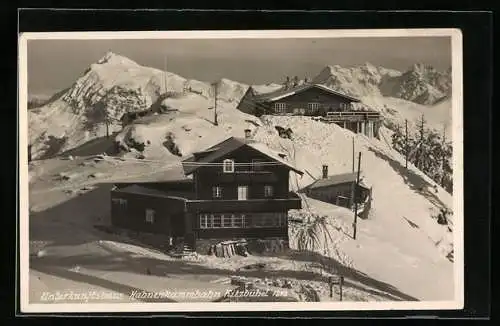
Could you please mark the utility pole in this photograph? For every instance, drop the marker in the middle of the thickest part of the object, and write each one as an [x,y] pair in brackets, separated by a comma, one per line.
[215,103]
[353,154]
[406,144]
[355,201]
[107,124]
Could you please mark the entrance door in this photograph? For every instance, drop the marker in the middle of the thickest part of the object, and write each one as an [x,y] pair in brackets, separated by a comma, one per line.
[242,192]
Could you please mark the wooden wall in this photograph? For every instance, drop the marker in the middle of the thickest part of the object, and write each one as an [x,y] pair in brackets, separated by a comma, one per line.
[277,176]
[129,211]
[327,101]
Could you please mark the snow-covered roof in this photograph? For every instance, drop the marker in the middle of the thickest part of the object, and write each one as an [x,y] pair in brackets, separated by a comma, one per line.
[283,93]
[229,145]
[264,149]
[336,180]
[139,190]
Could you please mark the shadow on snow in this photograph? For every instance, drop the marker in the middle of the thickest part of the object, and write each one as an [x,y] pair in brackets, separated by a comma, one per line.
[72,223]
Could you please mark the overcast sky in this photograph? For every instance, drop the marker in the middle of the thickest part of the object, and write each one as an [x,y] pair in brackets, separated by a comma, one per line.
[55,64]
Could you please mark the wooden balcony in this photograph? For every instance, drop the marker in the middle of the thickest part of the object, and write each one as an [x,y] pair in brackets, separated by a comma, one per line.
[249,205]
[245,176]
[351,116]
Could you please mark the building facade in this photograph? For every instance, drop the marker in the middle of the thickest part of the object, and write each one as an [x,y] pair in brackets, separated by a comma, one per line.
[314,100]
[236,189]
[340,189]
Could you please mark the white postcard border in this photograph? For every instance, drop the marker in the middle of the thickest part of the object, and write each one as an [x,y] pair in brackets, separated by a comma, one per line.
[457,122]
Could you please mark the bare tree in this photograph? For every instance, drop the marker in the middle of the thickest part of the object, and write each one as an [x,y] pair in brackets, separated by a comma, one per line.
[420,151]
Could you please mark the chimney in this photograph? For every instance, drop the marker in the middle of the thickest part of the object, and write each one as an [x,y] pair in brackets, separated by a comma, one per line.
[325,171]
[248,133]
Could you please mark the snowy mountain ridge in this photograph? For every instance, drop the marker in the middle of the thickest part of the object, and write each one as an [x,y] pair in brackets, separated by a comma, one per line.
[116,84]
[421,84]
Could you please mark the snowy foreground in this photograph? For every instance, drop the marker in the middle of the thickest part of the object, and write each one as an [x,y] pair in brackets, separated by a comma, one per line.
[399,254]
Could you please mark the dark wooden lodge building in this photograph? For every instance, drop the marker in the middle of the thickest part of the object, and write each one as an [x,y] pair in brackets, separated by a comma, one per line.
[340,190]
[238,188]
[314,100]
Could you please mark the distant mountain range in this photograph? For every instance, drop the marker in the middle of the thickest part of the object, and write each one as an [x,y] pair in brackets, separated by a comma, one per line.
[117,84]
[421,84]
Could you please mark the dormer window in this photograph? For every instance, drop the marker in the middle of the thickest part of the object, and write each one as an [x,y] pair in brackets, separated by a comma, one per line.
[228,166]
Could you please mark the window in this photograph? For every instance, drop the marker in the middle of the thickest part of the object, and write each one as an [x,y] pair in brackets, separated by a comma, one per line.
[344,106]
[280,107]
[312,106]
[268,220]
[226,220]
[204,221]
[216,220]
[150,216]
[239,220]
[217,192]
[228,166]
[242,192]
[120,202]
[268,191]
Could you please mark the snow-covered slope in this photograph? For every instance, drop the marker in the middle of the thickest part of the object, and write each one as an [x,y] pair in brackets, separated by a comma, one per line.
[189,129]
[109,88]
[400,237]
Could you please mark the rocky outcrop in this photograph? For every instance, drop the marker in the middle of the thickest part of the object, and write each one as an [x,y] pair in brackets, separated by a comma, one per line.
[421,84]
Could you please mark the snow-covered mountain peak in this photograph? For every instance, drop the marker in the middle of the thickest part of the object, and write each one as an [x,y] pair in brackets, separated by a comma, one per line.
[369,68]
[116,59]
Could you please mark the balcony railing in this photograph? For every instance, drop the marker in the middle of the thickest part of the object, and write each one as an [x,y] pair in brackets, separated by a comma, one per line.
[249,205]
[351,116]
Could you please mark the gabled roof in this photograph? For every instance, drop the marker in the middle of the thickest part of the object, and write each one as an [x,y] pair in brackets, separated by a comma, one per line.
[229,145]
[282,93]
[335,180]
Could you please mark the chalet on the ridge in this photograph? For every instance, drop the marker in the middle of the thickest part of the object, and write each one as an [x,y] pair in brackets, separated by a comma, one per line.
[238,188]
[340,190]
[314,100]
